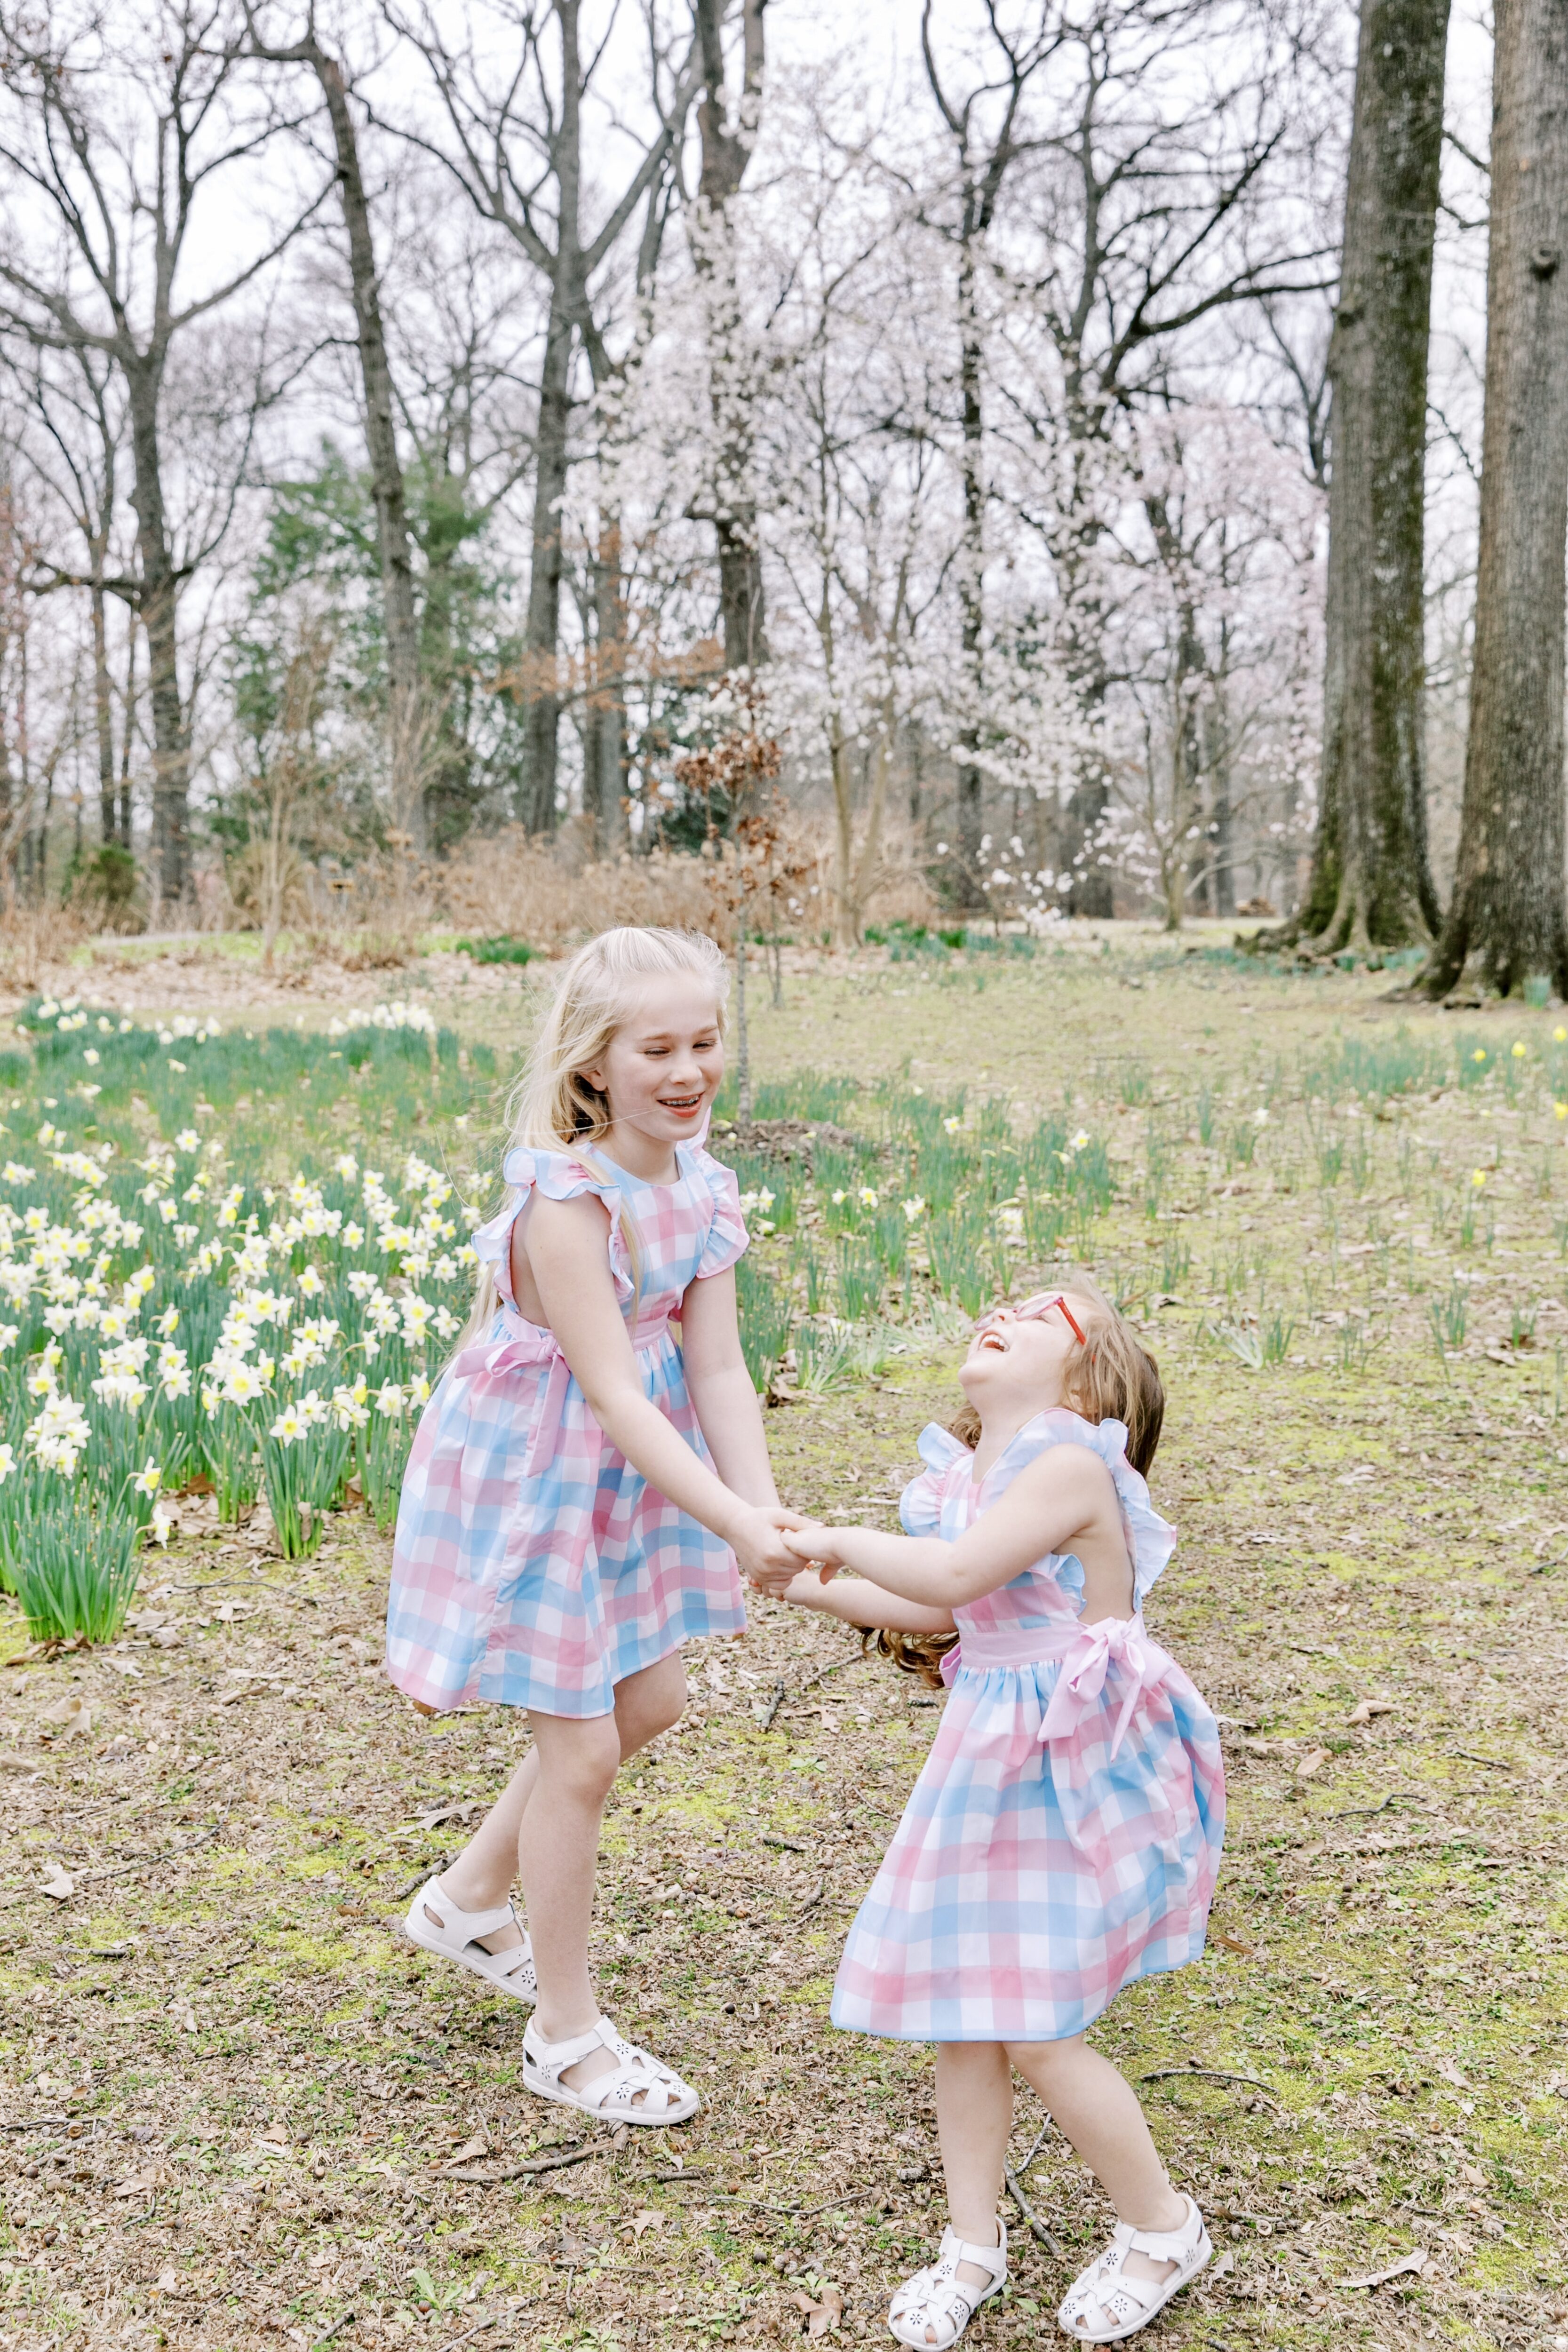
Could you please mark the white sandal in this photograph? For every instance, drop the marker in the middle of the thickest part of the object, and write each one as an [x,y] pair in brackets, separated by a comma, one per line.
[936,2298]
[1130,2304]
[660,2096]
[456,1934]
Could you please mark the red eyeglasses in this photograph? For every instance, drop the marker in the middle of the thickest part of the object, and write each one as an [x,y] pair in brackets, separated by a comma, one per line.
[1040,1305]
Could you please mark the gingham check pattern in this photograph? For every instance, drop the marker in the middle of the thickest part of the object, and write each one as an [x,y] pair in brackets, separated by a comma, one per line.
[532,1565]
[1031,1879]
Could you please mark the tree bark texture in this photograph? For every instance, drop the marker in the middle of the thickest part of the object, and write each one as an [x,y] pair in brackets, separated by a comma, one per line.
[1505,924]
[158,606]
[1371,884]
[540,691]
[393,538]
[726,151]
[103,719]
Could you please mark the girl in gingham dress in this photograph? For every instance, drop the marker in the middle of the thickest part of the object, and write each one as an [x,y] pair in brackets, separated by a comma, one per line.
[582,1482]
[1064,1837]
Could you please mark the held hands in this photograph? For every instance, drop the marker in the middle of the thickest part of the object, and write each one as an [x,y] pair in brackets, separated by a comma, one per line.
[758,1542]
[817,1546]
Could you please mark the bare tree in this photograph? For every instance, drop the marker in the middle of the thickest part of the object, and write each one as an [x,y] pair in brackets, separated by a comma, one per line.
[987,137]
[1161,193]
[1505,926]
[394,544]
[112,153]
[515,147]
[729,140]
[1371,882]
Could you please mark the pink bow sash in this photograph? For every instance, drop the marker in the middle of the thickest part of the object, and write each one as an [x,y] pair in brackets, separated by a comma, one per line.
[524,1344]
[1143,1667]
[1086,1653]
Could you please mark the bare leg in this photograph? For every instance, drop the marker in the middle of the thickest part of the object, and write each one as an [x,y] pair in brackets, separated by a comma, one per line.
[545,1825]
[1097,2110]
[974,2116]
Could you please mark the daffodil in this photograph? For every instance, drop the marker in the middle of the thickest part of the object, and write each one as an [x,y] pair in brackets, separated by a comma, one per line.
[1518,1050]
[952,1124]
[868,1196]
[147,1481]
[1478,1177]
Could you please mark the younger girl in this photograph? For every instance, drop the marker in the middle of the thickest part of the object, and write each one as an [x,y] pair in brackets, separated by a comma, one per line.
[561,1532]
[1064,1836]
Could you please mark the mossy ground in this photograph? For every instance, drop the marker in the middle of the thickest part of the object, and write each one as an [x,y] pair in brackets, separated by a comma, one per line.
[233,2090]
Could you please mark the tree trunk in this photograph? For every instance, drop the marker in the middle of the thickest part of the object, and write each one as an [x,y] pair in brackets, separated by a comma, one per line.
[394,540]
[158,603]
[540,695]
[607,706]
[1371,882]
[969,784]
[725,156]
[1504,925]
[103,719]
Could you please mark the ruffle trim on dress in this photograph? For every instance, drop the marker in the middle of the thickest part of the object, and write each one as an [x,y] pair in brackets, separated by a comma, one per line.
[559,1176]
[1151,1539]
[727,1236]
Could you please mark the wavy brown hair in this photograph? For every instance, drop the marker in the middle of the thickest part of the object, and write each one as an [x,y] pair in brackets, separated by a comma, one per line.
[1112,1377]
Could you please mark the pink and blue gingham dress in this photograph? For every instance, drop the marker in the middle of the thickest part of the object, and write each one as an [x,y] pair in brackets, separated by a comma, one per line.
[532,1565]
[1064,1836]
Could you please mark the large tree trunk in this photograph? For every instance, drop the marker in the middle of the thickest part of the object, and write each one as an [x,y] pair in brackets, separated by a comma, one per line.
[726,152]
[969,782]
[1371,884]
[540,691]
[159,608]
[394,540]
[103,719]
[1504,925]
[607,706]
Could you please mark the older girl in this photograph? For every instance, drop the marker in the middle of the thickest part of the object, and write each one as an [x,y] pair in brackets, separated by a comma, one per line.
[584,1482]
[1064,1836]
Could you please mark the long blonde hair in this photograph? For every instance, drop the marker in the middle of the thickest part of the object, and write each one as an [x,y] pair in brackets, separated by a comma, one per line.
[552,1106]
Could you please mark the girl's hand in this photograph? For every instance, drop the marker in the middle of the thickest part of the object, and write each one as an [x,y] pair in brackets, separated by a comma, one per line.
[819,1547]
[757,1540]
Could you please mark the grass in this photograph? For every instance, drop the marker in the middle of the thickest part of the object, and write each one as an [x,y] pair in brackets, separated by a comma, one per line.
[264,2083]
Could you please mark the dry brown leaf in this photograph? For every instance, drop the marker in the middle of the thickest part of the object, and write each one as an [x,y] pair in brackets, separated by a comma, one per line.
[1311,1764]
[1234,1944]
[1411,2267]
[1369,1708]
[820,2316]
[57,1884]
[470,2150]
[647,2220]
[72,1714]
[278,2133]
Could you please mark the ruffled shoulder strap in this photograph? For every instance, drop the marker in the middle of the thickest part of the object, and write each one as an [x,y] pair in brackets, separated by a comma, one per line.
[727,1236]
[1150,1538]
[920,1506]
[559,1176]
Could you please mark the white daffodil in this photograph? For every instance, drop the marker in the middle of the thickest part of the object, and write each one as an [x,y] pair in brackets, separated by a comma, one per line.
[148,1480]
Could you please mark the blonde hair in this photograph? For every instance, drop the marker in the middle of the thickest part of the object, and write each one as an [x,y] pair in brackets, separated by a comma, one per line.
[1110,1377]
[552,1106]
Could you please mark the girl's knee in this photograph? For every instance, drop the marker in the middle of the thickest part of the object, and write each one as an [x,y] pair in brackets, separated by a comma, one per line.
[578,1761]
[648,1704]
[1036,2059]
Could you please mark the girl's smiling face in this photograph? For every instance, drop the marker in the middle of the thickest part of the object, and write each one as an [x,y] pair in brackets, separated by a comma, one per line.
[665,1062]
[1018,1358]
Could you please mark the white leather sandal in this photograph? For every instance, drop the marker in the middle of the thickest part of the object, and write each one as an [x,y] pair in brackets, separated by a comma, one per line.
[1103,2306]
[932,2309]
[639,2090]
[454,1934]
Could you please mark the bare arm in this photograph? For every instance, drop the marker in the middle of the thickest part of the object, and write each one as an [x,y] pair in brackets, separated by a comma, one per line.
[564,1245]
[859,1602]
[1064,1502]
[727,1405]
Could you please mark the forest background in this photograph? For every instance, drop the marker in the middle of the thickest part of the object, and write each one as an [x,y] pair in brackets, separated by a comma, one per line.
[1032,458]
